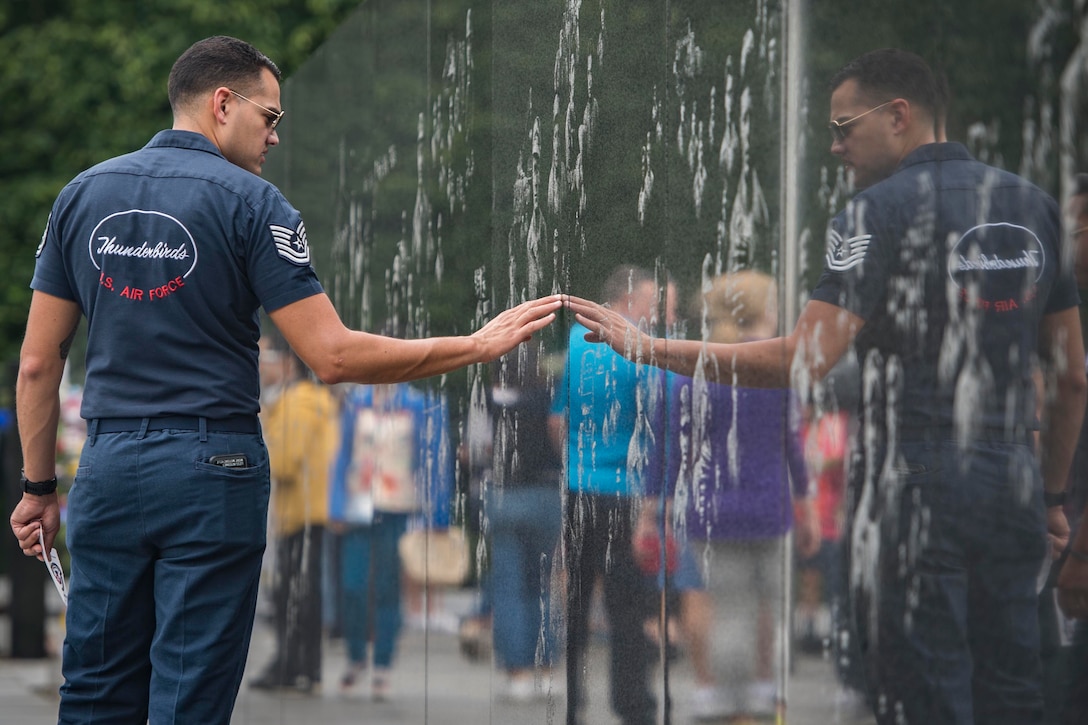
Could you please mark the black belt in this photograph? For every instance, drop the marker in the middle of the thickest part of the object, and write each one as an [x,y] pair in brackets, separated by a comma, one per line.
[233,424]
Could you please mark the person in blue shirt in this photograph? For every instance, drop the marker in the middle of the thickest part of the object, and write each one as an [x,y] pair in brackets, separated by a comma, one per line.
[170,252]
[947,277]
[606,414]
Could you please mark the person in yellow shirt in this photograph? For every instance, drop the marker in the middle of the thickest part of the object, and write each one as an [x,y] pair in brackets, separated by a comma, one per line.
[301,430]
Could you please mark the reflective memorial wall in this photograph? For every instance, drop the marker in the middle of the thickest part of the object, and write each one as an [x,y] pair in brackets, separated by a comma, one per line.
[455,158]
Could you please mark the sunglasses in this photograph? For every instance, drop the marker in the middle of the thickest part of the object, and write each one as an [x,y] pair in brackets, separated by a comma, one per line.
[841,129]
[273,117]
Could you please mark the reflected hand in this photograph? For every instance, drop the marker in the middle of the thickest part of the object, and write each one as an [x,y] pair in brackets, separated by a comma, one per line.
[516,325]
[611,328]
[31,514]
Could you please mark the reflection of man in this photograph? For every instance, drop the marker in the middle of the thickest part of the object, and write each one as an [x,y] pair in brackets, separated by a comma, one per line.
[299,421]
[170,252]
[608,402]
[947,276]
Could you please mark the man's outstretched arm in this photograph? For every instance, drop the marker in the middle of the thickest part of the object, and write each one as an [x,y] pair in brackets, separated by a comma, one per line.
[337,354]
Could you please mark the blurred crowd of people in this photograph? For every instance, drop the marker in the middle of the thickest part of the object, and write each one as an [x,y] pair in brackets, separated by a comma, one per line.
[669,515]
[603,499]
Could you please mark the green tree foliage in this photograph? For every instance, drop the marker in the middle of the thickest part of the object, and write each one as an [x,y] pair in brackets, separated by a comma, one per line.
[84,80]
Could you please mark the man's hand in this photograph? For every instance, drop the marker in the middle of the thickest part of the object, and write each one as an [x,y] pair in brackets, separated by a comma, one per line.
[516,325]
[31,514]
[1057,531]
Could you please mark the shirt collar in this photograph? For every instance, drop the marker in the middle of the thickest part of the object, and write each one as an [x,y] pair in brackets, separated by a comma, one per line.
[929,152]
[171,138]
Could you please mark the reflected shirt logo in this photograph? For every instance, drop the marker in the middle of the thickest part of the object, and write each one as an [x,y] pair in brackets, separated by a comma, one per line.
[291,244]
[999,247]
[1003,261]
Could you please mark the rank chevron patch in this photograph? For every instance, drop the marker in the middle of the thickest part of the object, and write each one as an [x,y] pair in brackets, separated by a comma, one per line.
[291,244]
[844,254]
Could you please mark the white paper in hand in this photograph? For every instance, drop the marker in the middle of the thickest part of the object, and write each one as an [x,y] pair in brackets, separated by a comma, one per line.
[56,573]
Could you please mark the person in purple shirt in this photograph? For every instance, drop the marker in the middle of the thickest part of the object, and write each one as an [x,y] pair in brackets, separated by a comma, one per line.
[732,455]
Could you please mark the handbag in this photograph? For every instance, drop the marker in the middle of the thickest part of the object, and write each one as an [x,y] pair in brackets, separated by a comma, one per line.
[435,556]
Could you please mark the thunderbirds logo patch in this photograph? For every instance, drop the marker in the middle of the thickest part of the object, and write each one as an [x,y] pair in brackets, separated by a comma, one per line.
[844,254]
[291,244]
[141,255]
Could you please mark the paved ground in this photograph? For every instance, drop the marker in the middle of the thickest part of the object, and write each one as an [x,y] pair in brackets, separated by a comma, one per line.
[433,684]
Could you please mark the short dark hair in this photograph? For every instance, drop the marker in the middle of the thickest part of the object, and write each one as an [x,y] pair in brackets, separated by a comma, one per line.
[891,73]
[213,62]
[622,281]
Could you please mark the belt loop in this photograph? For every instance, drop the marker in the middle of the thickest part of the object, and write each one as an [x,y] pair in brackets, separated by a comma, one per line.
[92,431]
[143,429]
[203,429]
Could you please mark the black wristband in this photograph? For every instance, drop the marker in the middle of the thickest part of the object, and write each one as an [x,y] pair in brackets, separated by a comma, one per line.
[1078,555]
[38,488]
[1053,499]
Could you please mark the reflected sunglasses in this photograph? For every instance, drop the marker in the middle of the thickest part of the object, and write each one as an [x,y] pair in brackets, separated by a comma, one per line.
[841,129]
[273,117]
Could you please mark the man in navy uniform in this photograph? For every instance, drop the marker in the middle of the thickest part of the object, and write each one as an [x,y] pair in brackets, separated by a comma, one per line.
[170,252]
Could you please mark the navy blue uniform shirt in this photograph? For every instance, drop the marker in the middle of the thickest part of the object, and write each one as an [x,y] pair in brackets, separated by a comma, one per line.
[170,251]
[952,264]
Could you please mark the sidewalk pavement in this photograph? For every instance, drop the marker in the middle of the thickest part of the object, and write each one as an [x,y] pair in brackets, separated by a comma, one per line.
[433,683]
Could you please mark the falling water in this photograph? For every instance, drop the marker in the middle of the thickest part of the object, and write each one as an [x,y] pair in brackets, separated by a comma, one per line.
[700,179]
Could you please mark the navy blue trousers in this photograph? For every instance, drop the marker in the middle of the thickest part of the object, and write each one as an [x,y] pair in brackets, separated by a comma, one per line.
[166,555]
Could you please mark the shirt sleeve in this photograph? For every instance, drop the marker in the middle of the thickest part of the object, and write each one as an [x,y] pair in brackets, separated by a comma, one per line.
[49,274]
[856,264]
[278,254]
